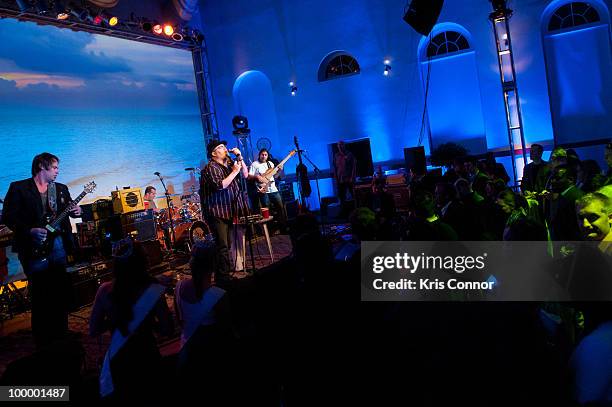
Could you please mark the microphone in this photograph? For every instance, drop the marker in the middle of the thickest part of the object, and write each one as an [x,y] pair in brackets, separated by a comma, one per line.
[156,173]
[238,156]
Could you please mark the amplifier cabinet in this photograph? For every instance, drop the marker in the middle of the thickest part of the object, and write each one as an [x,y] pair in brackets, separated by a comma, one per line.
[141,223]
[102,209]
[286,191]
[127,200]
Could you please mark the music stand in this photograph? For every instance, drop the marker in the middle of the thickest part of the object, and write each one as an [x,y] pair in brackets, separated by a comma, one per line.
[251,221]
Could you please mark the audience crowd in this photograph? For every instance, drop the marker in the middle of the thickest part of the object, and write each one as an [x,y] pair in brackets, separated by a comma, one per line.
[296,334]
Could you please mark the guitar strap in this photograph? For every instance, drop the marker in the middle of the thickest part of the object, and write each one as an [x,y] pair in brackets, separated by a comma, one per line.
[52,197]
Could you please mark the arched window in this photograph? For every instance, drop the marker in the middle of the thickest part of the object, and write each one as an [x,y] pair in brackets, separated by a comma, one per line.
[572,15]
[451,87]
[336,65]
[254,98]
[578,58]
[445,43]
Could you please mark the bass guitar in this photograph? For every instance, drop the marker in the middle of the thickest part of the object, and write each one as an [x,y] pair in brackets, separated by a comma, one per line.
[41,250]
[263,187]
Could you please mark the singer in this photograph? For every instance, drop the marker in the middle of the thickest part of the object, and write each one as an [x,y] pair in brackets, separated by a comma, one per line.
[224,203]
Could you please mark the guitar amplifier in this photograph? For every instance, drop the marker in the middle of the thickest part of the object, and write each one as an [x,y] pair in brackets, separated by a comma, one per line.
[286,191]
[127,200]
[86,232]
[102,209]
[85,280]
[141,224]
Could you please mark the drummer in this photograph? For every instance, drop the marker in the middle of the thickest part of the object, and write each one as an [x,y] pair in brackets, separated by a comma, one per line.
[149,198]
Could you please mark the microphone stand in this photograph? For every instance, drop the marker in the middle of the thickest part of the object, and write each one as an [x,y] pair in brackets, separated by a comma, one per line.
[249,223]
[170,214]
[317,173]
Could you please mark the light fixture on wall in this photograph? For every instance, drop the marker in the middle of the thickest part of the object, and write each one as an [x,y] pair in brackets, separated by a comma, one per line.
[293,88]
[387,70]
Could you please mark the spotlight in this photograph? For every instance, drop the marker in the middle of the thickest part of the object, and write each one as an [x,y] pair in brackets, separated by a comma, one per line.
[157,29]
[97,20]
[240,123]
[177,36]
[168,30]
[294,90]
[61,12]
[146,26]
[291,83]
[387,70]
[107,19]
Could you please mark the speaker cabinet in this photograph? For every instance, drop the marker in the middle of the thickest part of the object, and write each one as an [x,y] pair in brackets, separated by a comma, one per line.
[141,223]
[127,200]
[423,14]
[286,191]
[415,159]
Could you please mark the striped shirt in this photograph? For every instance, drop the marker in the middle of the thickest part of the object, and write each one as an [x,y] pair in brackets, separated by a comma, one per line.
[224,203]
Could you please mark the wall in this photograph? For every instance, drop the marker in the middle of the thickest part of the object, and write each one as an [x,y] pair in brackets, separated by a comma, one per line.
[286,40]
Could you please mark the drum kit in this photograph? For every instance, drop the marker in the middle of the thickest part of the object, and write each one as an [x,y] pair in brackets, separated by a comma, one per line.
[189,225]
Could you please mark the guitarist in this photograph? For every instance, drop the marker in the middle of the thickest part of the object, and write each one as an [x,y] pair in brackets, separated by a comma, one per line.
[271,196]
[26,205]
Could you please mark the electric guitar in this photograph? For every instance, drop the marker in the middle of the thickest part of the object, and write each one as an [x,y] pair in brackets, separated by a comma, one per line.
[41,250]
[262,187]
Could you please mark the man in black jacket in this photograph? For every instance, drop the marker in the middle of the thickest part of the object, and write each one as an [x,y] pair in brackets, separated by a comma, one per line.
[26,206]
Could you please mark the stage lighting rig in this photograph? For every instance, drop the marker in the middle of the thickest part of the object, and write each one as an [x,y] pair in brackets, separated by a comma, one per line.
[177,36]
[168,30]
[241,125]
[158,29]
[61,11]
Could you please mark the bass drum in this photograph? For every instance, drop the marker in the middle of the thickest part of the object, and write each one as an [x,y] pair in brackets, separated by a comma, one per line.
[190,233]
[199,232]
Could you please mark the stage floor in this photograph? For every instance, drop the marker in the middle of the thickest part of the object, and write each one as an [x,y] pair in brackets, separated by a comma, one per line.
[15,333]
